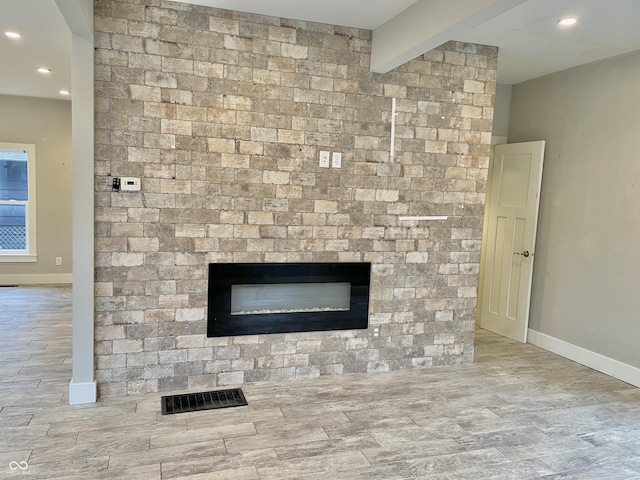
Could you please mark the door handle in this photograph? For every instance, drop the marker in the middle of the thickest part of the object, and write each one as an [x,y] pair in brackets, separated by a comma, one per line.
[524,254]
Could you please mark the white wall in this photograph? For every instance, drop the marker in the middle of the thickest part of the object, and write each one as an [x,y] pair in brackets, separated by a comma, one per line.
[502,113]
[586,287]
[47,124]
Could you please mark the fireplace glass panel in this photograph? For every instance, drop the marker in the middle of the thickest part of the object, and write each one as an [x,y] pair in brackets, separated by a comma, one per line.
[261,299]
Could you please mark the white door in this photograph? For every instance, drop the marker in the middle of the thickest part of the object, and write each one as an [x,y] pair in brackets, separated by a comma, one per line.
[512,216]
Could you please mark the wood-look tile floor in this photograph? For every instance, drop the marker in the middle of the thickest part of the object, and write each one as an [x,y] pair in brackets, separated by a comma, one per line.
[517,413]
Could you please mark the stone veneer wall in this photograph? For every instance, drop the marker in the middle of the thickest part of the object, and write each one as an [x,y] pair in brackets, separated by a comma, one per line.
[223,114]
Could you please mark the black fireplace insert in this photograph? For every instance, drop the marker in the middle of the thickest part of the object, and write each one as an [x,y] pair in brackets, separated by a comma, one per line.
[259,298]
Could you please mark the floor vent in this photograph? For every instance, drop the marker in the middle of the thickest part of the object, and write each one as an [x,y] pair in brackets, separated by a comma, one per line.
[193,402]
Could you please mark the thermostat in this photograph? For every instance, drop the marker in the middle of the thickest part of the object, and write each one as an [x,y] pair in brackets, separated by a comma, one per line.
[130,184]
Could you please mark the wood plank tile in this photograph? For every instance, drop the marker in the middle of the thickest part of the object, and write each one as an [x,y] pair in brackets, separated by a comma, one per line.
[517,412]
[324,464]
[213,465]
[227,432]
[275,439]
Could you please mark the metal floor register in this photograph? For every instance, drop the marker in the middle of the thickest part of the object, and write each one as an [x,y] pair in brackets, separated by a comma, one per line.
[193,402]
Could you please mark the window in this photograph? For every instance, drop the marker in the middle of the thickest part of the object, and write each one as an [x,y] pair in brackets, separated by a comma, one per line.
[17,202]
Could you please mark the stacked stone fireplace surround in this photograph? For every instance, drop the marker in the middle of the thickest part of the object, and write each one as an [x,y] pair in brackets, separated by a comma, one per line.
[222,115]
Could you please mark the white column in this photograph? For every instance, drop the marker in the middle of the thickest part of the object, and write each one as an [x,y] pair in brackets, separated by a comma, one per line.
[83,388]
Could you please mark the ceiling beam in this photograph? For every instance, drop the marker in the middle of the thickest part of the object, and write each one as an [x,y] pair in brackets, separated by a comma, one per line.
[428,24]
[79,16]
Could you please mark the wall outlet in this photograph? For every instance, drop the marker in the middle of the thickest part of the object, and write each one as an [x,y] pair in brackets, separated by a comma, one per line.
[324,159]
[58,261]
[336,160]
[376,331]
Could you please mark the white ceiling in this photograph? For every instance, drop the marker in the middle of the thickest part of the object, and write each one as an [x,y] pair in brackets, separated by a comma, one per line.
[46,41]
[531,43]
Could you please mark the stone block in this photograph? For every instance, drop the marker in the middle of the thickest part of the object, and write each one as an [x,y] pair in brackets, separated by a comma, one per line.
[189,341]
[283,349]
[298,52]
[172,357]
[307,372]
[230,378]
[200,354]
[201,382]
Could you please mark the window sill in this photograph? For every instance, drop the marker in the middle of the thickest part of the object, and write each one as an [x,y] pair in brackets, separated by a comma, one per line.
[18,258]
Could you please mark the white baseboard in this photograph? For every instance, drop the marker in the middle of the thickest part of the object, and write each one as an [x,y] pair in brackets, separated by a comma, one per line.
[37,279]
[622,371]
[86,392]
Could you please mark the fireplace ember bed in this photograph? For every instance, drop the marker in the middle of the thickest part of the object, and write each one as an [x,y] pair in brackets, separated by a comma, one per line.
[261,298]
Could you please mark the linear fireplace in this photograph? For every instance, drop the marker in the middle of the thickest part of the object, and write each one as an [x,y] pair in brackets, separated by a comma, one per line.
[257,298]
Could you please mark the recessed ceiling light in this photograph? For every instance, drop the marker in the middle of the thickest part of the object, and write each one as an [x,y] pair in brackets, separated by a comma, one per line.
[12,34]
[64,92]
[567,22]
[44,70]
